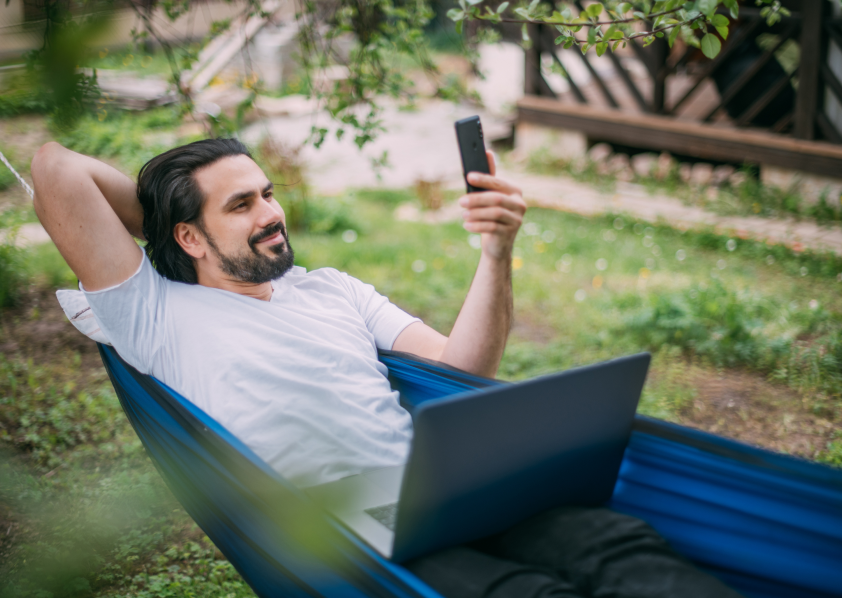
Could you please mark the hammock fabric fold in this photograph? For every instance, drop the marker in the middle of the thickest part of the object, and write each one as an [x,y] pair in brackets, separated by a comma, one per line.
[769,525]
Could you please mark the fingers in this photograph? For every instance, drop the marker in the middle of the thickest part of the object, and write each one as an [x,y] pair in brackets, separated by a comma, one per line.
[494,214]
[484,199]
[491,182]
[492,164]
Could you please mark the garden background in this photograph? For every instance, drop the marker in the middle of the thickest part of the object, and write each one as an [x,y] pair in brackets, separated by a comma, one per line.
[746,333]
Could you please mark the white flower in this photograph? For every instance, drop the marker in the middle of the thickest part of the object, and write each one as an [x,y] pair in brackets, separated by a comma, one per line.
[349,236]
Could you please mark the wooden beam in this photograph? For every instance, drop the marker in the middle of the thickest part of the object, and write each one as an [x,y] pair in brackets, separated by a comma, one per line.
[704,141]
[809,94]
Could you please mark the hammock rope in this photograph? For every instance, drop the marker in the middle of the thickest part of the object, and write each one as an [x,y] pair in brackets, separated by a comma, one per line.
[17,176]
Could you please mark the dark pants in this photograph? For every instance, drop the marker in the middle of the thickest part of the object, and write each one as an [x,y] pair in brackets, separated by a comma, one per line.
[568,552]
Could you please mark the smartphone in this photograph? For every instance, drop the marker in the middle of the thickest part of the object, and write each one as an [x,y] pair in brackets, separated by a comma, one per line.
[472,148]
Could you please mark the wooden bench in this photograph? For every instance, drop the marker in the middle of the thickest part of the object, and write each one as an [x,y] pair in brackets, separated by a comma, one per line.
[661,133]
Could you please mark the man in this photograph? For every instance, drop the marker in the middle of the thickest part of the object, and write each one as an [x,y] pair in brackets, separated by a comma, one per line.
[287,359]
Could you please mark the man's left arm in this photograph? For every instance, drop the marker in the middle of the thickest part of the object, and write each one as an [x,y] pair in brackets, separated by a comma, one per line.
[479,335]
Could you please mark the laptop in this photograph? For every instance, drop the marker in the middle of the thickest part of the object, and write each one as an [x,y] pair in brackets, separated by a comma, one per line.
[484,460]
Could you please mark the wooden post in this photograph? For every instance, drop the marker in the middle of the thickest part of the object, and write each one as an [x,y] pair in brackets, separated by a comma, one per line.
[532,68]
[813,38]
[659,51]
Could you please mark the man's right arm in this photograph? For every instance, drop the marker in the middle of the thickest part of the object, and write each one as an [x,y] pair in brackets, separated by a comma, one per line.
[90,210]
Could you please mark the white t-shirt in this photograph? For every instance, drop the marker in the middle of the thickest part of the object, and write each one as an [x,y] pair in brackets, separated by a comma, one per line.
[296,378]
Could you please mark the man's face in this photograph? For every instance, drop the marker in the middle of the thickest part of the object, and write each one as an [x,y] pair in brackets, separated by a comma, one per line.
[243,225]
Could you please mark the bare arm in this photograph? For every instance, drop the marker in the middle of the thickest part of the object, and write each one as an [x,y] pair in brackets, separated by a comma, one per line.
[90,211]
[479,335]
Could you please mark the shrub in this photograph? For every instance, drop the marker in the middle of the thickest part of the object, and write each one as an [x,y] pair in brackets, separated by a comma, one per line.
[13,271]
[741,328]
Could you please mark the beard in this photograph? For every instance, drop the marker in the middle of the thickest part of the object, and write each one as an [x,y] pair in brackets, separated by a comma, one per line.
[253,266]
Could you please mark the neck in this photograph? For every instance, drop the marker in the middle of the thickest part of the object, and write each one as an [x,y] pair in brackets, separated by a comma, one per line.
[262,291]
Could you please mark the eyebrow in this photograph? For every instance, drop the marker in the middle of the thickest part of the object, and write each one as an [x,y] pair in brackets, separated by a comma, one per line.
[241,195]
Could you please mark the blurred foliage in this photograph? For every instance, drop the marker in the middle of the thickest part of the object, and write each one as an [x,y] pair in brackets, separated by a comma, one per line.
[95,506]
[608,24]
[13,270]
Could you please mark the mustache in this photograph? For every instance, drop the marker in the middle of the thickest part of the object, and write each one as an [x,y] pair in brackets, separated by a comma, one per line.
[267,232]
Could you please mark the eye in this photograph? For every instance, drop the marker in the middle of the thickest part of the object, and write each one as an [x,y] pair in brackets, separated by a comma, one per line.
[240,205]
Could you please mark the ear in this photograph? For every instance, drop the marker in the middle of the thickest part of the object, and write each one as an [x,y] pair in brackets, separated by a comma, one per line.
[190,240]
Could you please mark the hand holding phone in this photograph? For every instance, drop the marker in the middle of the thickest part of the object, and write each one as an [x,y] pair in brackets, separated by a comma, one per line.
[497,212]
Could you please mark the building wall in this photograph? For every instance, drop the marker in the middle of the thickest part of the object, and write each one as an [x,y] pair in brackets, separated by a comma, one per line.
[17,37]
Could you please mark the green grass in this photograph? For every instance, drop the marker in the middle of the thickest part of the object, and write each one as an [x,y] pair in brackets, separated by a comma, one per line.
[99,520]
[131,138]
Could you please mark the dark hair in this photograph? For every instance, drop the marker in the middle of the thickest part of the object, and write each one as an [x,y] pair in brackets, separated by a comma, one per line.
[169,194]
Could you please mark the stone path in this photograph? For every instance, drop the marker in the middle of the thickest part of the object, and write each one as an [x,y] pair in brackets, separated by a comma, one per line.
[563,193]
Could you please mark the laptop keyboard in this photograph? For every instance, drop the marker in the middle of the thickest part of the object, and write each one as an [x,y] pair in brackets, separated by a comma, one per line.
[385,514]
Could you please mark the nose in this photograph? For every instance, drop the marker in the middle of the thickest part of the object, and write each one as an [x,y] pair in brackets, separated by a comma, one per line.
[271,211]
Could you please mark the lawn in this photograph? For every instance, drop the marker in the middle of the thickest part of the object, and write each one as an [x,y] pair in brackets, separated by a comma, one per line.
[746,342]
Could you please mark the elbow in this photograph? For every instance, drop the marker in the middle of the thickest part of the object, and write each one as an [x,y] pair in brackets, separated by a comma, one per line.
[43,158]
[44,164]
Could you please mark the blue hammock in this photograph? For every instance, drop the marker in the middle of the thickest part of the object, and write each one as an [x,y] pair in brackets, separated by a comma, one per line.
[769,525]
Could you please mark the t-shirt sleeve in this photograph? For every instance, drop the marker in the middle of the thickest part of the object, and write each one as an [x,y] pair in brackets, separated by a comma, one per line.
[384,319]
[131,314]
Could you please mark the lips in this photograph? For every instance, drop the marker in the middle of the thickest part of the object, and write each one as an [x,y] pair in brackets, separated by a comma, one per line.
[271,235]
[276,238]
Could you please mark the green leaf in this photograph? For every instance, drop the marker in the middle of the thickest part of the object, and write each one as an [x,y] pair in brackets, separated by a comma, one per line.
[623,8]
[459,26]
[502,8]
[638,15]
[601,47]
[474,2]
[707,7]
[524,33]
[719,21]
[584,48]
[673,35]
[723,32]
[594,10]
[454,14]
[614,47]
[733,7]
[711,45]
[556,17]
[569,43]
